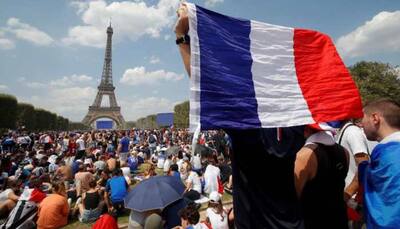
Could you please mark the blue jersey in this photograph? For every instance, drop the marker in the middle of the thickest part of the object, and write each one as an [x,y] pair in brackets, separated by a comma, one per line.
[381,181]
[117,186]
[125,144]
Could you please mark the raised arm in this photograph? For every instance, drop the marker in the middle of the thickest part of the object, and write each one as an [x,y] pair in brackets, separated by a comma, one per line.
[181,29]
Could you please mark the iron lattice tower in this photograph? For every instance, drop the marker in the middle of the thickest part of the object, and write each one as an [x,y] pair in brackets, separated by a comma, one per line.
[106,87]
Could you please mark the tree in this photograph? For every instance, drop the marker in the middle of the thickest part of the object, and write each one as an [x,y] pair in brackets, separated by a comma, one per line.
[8,111]
[181,115]
[376,80]
[26,116]
[130,124]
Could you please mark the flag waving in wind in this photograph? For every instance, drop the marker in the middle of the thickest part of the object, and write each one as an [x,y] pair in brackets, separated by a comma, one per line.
[247,74]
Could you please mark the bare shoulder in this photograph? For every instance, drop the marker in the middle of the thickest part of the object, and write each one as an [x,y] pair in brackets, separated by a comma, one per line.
[306,152]
[306,161]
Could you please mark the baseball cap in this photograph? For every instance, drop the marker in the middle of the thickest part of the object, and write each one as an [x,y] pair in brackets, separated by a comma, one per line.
[215,196]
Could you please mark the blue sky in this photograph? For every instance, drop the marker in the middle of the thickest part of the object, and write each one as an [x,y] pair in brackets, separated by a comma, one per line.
[51,52]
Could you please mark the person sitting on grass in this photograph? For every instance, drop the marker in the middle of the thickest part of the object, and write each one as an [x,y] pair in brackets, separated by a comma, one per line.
[190,217]
[53,210]
[216,214]
[90,206]
[116,190]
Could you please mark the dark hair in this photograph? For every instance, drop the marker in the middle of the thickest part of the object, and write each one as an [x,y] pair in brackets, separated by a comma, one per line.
[58,187]
[389,109]
[174,167]
[117,172]
[92,183]
[190,214]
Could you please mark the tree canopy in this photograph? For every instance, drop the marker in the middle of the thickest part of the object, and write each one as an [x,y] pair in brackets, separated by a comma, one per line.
[376,80]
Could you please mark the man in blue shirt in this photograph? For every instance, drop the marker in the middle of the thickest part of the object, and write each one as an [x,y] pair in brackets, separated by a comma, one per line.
[123,148]
[381,176]
[116,190]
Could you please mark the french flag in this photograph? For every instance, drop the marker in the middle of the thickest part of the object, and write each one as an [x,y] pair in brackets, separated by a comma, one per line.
[247,74]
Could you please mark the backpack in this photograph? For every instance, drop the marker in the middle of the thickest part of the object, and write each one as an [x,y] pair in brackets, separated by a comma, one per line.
[22,216]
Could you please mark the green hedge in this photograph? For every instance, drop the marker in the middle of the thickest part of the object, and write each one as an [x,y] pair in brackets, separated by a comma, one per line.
[22,115]
[8,111]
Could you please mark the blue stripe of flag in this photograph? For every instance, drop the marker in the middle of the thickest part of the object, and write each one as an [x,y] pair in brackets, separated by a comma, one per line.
[227,96]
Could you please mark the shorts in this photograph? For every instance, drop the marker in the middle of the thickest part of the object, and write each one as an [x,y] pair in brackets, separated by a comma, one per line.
[89,215]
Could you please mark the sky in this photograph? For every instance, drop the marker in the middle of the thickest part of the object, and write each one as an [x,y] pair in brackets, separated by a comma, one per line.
[52,52]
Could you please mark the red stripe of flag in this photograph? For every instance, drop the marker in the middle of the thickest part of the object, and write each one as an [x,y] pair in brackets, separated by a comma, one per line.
[326,84]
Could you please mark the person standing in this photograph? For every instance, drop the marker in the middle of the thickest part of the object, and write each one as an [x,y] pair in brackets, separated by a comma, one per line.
[351,137]
[258,204]
[81,147]
[380,177]
[320,170]
[123,148]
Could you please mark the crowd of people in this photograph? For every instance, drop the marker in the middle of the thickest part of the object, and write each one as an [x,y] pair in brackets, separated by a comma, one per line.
[83,175]
[342,177]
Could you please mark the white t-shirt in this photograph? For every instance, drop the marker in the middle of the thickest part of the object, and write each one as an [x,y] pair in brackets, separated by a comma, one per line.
[167,164]
[160,162]
[126,171]
[355,142]
[211,176]
[216,219]
[195,180]
[179,163]
[196,162]
[81,144]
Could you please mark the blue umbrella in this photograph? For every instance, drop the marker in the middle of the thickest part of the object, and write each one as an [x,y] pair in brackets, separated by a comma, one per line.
[154,193]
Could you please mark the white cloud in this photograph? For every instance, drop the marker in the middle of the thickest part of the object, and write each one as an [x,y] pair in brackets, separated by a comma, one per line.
[167,37]
[31,84]
[66,81]
[131,20]
[154,60]
[35,85]
[132,110]
[70,102]
[139,75]
[70,80]
[3,87]
[81,6]
[381,33]
[6,43]
[212,3]
[29,33]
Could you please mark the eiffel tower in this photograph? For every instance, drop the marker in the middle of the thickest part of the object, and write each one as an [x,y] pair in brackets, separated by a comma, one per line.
[106,87]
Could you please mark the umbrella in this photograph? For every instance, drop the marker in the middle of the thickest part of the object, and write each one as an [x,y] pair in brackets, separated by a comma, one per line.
[154,193]
[172,150]
[202,150]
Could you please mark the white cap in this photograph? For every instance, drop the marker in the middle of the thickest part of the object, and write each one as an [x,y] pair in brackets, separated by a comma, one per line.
[215,196]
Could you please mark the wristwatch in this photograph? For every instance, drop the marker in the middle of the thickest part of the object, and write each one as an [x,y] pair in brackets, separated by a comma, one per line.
[185,39]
